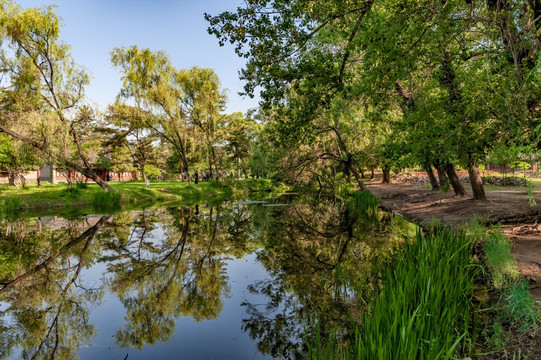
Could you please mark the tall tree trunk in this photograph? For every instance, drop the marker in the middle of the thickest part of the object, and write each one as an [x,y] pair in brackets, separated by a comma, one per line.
[347,173]
[210,163]
[23,179]
[432,177]
[88,171]
[442,176]
[181,169]
[185,164]
[176,141]
[476,181]
[357,177]
[91,174]
[143,173]
[187,171]
[38,177]
[371,173]
[214,159]
[455,181]
[386,175]
[349,162]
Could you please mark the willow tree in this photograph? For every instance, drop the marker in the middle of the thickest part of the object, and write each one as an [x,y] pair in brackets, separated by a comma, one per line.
[43,81]
[149,81]
[178,99]
[203,102]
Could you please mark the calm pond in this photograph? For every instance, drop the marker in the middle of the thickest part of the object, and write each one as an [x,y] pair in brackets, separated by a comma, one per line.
[244,280]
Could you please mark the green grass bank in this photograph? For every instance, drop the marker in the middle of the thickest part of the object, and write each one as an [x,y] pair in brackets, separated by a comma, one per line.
[59,199]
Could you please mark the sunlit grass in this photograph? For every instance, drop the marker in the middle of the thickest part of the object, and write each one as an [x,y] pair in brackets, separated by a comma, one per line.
[501,265]
[55,198]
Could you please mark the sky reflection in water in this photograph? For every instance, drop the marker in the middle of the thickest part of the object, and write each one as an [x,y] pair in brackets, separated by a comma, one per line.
[236,281]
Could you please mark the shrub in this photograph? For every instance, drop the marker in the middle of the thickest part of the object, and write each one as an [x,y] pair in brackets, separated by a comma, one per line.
[81,184]
[518,306]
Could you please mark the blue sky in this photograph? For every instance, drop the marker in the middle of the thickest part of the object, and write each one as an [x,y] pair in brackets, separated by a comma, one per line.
[94,27]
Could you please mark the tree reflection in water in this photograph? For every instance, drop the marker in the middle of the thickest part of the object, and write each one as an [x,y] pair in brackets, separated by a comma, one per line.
[47,312]
[170,263]
[159,280]
[325,266]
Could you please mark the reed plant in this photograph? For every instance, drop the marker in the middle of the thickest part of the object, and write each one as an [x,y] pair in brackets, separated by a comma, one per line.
[11,205]
[365,205]
[107,201]
[424,308]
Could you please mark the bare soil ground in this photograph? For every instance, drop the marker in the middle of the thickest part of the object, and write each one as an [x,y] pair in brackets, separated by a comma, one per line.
[507,206]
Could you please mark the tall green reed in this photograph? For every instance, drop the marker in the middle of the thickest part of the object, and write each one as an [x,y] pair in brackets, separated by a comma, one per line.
[424,308]
[364,205]
[106,201]
[10,206]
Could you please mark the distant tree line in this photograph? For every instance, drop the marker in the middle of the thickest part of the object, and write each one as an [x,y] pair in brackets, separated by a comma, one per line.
[165,122]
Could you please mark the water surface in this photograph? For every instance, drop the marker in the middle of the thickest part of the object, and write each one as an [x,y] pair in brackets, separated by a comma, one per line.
[245,280]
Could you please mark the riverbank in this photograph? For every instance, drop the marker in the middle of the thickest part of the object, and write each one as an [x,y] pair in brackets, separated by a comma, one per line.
[60,199]
[510,209]
[508,206]
[495,316]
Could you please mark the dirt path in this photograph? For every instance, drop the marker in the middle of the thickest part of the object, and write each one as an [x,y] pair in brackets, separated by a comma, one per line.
[507,206]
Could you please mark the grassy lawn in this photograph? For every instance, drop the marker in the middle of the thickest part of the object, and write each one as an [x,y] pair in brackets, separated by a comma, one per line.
[56,198]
